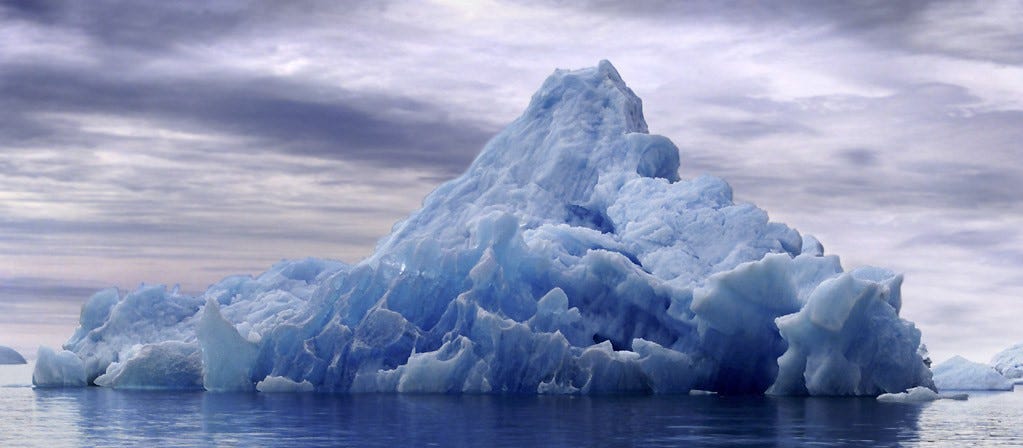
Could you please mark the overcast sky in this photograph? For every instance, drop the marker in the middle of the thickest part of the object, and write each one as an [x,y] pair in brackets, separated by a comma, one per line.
[179,142]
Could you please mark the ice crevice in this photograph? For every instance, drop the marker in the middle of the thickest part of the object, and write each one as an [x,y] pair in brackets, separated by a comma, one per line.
[570,258]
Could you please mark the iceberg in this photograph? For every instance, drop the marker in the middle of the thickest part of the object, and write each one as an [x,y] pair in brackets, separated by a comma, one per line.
[569,258]
[959,373]
[10,356]
[1009,362]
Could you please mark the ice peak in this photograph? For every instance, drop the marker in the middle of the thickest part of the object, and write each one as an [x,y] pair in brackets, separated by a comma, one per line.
[602,88]
[605,67]
[583,122]
[581,137]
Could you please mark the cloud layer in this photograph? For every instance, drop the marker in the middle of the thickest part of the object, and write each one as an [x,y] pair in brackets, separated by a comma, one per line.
[178,142]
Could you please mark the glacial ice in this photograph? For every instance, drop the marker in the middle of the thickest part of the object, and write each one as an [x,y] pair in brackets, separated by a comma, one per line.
[959,373]
[1009,362]
[569,258]
[58,369]
[10,356]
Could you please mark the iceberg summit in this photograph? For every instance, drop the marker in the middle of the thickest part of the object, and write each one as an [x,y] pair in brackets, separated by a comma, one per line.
[569,258]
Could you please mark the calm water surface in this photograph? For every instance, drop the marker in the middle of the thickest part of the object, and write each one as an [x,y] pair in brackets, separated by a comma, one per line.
[102,417]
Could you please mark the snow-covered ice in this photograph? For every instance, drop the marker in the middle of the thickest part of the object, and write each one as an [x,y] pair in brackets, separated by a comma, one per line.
[1009,362]
[919,395]
[569,258]
[10,356]
[959,373]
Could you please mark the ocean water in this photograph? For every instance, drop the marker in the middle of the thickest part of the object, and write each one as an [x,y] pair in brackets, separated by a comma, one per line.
[101,417]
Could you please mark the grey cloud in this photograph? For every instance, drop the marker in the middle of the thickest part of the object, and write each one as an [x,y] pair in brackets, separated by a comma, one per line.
[966,185]
[912,26]
[1011,257]
[146,27]
[936,311]
[750,129]
[288,117]
[985,31]
[946,152]
[859,156]
[1011,282]
[967,239]
[861,15]
[953,187]
[122,237]
[37,289]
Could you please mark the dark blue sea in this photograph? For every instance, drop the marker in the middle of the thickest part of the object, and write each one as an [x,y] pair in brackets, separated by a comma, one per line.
[102,417]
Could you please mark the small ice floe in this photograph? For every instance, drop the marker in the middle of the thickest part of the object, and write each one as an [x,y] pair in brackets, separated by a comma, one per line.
[920,395]
[281,384]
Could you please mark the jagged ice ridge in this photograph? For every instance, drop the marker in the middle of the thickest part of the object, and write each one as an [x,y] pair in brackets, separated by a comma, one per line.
[569,258]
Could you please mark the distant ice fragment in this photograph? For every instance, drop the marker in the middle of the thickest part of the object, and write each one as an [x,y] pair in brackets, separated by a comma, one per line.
[10,356]
[919,395]
[58,369]
[282,384]
[959,373]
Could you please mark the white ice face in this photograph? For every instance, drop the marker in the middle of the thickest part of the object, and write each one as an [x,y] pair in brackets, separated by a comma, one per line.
[569,258]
